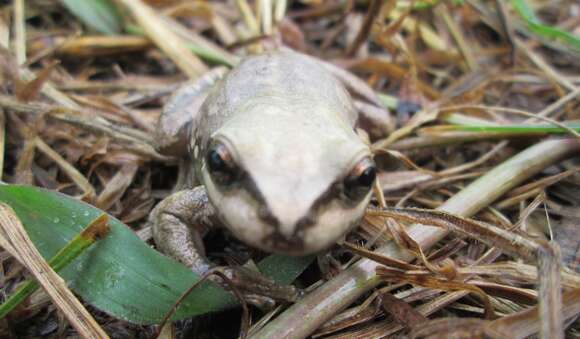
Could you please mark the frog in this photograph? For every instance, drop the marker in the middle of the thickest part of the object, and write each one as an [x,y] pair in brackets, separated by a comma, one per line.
[276,157]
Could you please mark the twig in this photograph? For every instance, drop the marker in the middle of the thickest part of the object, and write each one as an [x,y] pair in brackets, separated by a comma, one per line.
[544,66]
[2,141]
[372,12]
[506,28]
[47,89]
[77,177]
[463,46]
[561,102]
[249,18]
[525,323]
[163,37]
[138,141]
[19,32]
[216,271]
[265,7]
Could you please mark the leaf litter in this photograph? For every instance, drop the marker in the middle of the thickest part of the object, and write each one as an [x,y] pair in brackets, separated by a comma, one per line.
[81,94]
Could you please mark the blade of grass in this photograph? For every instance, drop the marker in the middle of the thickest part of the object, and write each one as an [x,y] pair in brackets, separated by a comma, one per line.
[2,141]
[536,26]
[15,240]
[99,15]
[170,43]
[94,231]
[509,128]
[204,53]
[19,32]
[420,5]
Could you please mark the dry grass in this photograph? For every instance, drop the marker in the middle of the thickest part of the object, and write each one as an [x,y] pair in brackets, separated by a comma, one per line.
[78,112]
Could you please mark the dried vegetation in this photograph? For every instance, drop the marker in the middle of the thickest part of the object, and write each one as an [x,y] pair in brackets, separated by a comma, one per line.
[463,81]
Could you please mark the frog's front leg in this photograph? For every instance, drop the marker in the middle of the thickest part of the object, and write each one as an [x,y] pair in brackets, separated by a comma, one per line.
[179,222]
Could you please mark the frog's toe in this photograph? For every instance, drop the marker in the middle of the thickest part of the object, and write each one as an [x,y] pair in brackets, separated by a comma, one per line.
[257,288]
[264,303]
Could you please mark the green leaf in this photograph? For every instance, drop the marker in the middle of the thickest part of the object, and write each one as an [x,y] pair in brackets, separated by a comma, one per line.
[120,274]
[549,32]
[99,15]
[284,269]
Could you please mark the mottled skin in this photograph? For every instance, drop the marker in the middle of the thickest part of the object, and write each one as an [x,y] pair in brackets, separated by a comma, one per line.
[287,126]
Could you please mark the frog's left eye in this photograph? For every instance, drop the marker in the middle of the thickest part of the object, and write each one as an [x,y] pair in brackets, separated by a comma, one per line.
[221,166]
[360,180]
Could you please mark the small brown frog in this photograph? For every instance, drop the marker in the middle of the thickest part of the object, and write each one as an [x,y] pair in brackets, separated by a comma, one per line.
[274,149]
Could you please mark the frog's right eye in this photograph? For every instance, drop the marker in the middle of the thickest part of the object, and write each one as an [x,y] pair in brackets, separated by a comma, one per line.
[360,180]
[221,166]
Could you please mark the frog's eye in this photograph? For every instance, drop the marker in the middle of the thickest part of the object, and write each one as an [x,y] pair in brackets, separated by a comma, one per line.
[360,179]
[221,166]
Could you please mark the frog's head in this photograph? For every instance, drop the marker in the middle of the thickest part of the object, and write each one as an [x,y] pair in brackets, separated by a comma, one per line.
[287,182]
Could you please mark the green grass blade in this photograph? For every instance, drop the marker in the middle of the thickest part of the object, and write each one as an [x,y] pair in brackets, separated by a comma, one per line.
[99,15]
[536,26]
[469,124]
[120,274]
[420,5]
[61,259]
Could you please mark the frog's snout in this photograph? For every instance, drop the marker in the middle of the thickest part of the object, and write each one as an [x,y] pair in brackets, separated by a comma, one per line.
[287,230]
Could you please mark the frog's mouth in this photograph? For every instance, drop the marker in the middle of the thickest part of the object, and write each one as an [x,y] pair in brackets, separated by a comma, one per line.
[278,243]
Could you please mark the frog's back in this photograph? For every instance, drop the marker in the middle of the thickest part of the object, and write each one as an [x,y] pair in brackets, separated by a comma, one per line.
[292,79]
[283,79]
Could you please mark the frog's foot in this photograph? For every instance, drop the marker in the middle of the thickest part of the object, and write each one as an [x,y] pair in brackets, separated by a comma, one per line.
[251,286]
[251,282]
[255,288]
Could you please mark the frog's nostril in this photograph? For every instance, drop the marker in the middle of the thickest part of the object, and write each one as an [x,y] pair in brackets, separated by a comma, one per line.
[294,232]
[305,222]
